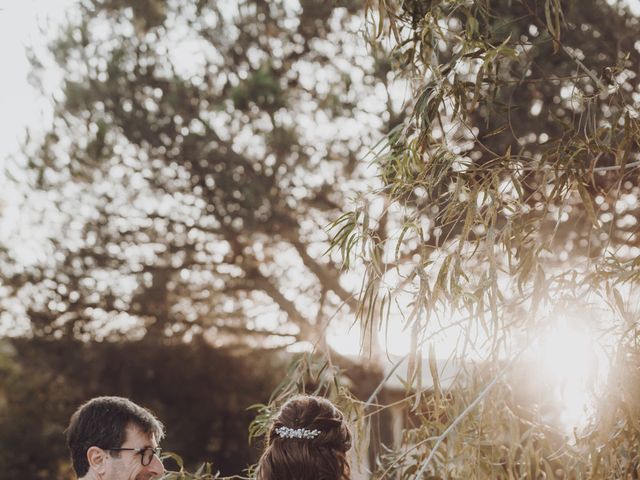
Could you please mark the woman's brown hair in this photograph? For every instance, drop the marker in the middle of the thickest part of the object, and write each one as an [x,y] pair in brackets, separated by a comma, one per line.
[323,457]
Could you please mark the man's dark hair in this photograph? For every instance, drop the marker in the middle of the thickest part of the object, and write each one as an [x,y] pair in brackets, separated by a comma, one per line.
[102,422]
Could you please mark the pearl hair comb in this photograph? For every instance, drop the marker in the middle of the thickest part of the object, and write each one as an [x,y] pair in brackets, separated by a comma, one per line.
[286,432]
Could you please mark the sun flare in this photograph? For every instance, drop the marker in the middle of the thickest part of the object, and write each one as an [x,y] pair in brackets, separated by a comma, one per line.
[574,366]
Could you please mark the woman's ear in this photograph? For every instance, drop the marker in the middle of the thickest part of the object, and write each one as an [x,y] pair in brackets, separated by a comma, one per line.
[96,458]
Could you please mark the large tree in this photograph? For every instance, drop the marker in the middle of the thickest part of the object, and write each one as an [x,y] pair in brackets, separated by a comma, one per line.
[512,201]
[197,153]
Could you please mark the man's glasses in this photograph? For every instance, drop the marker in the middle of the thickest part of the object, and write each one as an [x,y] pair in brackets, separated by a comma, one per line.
[146,453]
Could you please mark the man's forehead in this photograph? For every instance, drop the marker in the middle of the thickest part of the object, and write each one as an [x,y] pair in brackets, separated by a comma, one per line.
[134,434]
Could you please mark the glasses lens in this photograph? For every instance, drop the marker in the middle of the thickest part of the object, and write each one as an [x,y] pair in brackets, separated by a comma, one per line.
[147,455]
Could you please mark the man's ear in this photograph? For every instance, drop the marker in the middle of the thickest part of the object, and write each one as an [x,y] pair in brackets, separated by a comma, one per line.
[96,458]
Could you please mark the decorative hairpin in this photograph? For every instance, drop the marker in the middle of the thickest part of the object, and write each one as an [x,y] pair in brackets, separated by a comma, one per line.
[286,432]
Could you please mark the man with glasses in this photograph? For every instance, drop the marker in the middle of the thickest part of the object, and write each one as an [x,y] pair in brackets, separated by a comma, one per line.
[112,438]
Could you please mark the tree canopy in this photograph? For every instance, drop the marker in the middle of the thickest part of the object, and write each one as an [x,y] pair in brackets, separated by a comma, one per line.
[197,152]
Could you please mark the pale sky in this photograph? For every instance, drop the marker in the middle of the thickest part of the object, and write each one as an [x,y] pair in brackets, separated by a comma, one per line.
[20,103]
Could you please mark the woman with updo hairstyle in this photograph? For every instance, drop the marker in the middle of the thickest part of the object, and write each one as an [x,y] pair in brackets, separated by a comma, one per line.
[308,440]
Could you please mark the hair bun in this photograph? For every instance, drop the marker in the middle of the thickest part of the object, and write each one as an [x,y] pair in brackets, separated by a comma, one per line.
[316,413]
[308,437]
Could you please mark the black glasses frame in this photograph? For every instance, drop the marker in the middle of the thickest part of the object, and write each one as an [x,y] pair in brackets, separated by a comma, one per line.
[142,452]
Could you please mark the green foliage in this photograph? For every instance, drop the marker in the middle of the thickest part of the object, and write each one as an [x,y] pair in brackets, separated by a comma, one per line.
[504,191]
[483,188]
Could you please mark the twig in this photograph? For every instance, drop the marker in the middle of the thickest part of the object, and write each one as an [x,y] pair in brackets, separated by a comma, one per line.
[617,167]
[582,66]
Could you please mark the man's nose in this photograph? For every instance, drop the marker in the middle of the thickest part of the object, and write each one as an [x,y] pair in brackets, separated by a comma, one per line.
[156,467]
